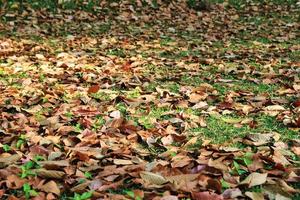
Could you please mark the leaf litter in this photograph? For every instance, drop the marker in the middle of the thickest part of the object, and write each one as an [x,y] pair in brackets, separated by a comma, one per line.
[105,109]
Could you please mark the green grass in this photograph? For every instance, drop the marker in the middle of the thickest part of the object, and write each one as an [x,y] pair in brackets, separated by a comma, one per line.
[219,131]
[102,96]
[236,84]
[103,28]
[224,88]
[117,52]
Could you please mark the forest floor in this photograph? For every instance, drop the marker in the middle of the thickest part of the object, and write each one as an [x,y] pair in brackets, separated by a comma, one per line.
[151,101]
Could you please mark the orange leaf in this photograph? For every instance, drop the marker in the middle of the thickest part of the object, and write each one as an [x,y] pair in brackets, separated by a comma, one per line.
[94,89]
[126,66]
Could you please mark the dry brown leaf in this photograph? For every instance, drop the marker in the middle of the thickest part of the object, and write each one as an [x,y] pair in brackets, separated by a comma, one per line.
[14,182]
[272,190]
[51,187]
[255,195]
[167,140]
[54,164]
[180,161]
[206,196]
[152,178]
[8,160]
[44,173]
[218,164]
[232,193]
[258,139]
[183,177]
[255,179]
[196,98]
[185,182]
[278,157]
[122,162]
[80,187]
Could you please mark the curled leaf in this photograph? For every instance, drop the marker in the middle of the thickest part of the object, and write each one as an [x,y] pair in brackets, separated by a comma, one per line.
[44,173]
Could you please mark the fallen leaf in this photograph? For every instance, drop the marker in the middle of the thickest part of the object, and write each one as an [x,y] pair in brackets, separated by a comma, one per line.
[8,160]
[206,196]
[255,179]
[153,178]
[80,187]
[255,195]
[196,98]
[54,164]
[93,89]
[122,162]
[258,139]
[232,193]
[51,187]
[44,173]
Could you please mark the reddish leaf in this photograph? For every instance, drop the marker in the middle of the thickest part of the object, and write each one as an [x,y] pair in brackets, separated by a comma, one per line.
[94,89]
[206,196]
[126,66]
[296,103]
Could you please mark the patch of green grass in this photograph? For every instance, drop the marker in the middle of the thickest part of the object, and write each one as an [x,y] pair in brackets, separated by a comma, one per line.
[88,175]
[83,196]
[36,38]
[78,128]
[179,54]
[150,87]
[219,131]
[221,88]
[269,124]
[6,147]
[99,122]
[294,56]
[165,40]
[13,78]
[241,4]
[192,80]
[26,169]
[21,141]
[101,96]
[264,40]
[121,107]
[52,6]
[146,119]
[167,54]
[256,88]
[103,28]
[236,86]
[284,2]
[174,87]
[151,69]
[257,189]
[117,52]
[237,4]
[133,94]
[28,191]
[69,114]
[196,145]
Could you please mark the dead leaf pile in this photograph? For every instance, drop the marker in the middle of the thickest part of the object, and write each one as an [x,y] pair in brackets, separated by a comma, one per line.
[132,102]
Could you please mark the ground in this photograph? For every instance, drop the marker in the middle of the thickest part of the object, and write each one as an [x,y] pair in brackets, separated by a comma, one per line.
[150,100]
